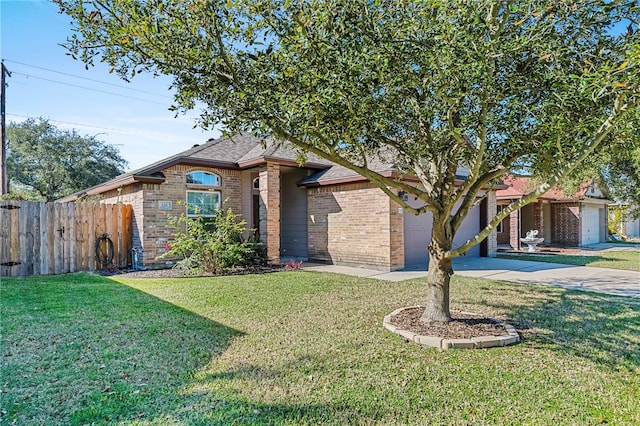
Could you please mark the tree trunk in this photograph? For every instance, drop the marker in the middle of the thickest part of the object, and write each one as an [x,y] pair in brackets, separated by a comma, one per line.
[438,279]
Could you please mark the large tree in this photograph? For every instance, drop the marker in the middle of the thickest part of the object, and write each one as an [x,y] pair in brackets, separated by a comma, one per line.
[431,86]
[48,163]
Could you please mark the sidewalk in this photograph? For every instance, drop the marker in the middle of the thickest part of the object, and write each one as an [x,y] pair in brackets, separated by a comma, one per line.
[609,281]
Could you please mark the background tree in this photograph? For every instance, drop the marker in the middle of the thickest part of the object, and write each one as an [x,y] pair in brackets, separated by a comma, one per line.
[616,169]
[429,86]
[46,163]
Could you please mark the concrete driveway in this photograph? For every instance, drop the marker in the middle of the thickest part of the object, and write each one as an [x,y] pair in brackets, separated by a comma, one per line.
[609,281]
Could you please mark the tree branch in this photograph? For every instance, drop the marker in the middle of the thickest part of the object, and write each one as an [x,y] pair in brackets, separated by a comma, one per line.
[618,110]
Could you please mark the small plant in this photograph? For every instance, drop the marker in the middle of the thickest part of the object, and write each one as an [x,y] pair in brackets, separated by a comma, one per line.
[213,244]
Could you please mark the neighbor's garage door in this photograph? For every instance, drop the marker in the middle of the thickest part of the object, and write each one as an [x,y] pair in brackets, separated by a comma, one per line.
[417,234]
[590,225]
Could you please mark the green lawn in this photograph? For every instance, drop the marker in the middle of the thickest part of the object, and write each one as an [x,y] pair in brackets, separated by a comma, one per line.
[624,259]
[306,348]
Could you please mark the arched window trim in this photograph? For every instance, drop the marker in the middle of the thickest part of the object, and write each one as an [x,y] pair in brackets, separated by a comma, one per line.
[255,184]
[217,184]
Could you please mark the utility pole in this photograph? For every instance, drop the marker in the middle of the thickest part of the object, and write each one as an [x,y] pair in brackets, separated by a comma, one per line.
[4,179]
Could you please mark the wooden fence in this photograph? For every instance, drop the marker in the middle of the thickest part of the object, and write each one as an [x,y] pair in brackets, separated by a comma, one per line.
[57,238]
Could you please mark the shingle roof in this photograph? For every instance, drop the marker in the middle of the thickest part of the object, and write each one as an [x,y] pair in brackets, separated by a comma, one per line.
[238,151]
[338,173]
[520,186]
[222,150]
[244,151]
[280,150]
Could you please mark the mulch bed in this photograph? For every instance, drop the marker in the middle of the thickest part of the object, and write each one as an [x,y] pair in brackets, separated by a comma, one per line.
[462,325]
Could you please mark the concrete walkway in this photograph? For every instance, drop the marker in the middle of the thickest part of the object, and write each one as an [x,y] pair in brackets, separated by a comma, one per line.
[609,281]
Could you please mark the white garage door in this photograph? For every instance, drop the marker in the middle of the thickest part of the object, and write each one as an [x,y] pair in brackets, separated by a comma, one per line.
[590,225]
[469,228]
[417,234]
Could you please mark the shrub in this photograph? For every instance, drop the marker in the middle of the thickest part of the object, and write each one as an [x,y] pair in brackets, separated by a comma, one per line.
[213,244]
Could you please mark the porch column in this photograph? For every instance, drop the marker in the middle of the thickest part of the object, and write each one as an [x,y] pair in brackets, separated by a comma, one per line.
[492,239]
[514,229]
[270,210]
[538,213]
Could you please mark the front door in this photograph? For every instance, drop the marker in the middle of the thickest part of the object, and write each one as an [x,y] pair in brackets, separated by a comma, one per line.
[256,213]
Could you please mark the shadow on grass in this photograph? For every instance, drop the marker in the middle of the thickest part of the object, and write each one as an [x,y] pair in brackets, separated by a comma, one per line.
[602,328]
[82,349]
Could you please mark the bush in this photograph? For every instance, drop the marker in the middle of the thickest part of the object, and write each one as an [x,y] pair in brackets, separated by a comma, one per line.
[213,244]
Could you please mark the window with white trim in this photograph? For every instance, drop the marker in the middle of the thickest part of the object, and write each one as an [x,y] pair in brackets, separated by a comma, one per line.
[203,201]
[499,228]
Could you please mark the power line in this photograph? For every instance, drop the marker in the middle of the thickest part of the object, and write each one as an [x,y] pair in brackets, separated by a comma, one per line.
[88,88]
[4,181]
[111,129]
[89,79]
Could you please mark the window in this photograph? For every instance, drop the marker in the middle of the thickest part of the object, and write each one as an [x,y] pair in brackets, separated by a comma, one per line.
[202,203]
[203,178]
[256,183]
[499,228]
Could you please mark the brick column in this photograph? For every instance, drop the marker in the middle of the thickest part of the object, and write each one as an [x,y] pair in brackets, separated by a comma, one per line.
[538,213]
[396,237]
[514,229]
[492,239]
[270,210]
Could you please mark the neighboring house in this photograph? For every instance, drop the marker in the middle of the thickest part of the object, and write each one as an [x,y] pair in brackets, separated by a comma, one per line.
[562,220]
[318,211]
[626,225]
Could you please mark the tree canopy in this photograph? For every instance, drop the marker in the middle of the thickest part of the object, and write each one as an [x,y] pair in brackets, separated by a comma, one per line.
[616,169]
[46,163]
[432,87]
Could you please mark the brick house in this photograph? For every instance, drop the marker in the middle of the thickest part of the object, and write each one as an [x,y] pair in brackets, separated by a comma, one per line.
[562,220]
[318,211]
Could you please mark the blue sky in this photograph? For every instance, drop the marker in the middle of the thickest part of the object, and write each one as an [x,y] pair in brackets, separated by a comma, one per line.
[44,83]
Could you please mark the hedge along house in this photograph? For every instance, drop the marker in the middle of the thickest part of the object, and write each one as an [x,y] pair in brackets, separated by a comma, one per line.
[318,211]
[562,220]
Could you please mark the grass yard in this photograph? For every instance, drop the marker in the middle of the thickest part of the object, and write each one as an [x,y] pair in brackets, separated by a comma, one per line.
[628,260]
[306,348]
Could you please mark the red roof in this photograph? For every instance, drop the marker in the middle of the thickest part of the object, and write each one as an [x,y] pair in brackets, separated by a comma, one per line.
[521,186]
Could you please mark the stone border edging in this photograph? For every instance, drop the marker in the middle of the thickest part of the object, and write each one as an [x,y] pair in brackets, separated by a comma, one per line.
[441,343]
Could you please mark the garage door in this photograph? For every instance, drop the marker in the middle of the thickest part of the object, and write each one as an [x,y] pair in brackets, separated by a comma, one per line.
[469,228]
[590,225]
[417,234]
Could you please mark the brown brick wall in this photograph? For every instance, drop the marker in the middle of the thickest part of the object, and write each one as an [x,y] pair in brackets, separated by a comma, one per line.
[355,224]
[565,224]
[151,232]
